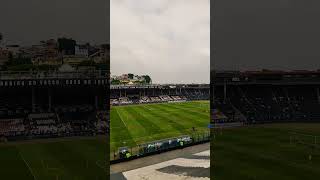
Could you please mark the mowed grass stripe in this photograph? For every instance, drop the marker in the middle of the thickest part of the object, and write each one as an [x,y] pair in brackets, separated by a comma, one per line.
[135,128]
[248,167]
[153,114]
[61,160]
[181,116]
[147,124]
[44,165]
[150,122]
[199,107]
[70,159]
[165,119]
[67,160]
[271,162]
[88,155]
[12,165]
[264,152]
[119,131]
[199,111]
[54,159]
[174,118]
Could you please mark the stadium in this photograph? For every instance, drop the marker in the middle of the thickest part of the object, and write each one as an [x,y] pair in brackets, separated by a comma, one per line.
[53,125]
[267,123]
[148,121]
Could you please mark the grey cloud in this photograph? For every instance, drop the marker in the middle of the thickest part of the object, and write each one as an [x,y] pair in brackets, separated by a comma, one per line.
[273,34]
[29,21]
[168,39]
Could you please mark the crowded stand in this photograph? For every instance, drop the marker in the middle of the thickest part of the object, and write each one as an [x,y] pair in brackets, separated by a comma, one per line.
[165,98]
[11,127]
[114,101]
[47,104]
[43,124]
[178,98]
[144,99]
[28,121]
[124,101]
[155,99]
[158,94]
[152,99]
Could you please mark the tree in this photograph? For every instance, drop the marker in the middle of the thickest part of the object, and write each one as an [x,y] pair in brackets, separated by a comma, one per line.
[147,79]
[115,82]
[130,76]
[67,46]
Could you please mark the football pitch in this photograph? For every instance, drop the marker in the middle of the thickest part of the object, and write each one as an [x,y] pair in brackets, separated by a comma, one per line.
[136,124]
[61,159]
[265,152]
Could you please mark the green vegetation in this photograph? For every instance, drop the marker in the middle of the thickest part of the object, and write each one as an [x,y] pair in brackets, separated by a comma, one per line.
[264,152]
[137,124]
[132,79]
[67,45]
[147,79]
[82,159]
[19,67]
[24,64]
[130,76]
[115,82]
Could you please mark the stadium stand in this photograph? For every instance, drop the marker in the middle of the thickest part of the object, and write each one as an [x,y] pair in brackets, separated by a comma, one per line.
[124,95]
[34,106]
[268,97]
[11,127]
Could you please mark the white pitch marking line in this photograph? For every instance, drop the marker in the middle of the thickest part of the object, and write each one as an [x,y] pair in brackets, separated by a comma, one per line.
[30,169]
[121,118]
[204,153]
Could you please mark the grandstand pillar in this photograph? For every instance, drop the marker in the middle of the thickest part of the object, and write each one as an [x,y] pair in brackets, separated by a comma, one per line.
[125,93]
[33,99]
[212,93]
[120,93]
[49,100]
[96,101]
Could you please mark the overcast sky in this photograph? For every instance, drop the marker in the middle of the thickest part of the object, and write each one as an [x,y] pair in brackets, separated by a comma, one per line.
[273,34]
[166,39]
[29,21]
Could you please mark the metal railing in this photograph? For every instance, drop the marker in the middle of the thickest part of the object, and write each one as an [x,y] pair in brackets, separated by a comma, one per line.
[11,75]
[156,147]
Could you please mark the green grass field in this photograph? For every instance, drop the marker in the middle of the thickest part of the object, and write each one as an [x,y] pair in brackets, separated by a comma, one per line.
[69,159]
[136,124]
[264,152]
